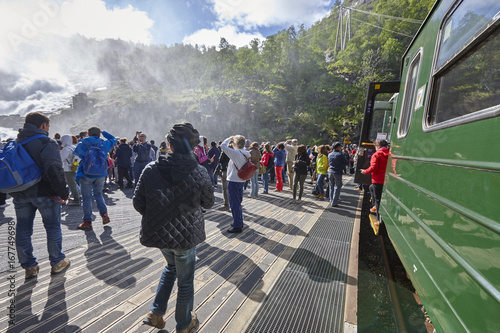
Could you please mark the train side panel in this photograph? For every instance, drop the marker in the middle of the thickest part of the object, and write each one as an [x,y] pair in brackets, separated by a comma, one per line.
[441,199]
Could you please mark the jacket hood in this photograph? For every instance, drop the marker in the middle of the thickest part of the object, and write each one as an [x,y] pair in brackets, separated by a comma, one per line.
[66,140]
[175,167]
[92,140]
[384,151]
[28,131]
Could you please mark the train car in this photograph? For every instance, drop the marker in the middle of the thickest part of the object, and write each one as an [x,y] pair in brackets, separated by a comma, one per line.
[441,199]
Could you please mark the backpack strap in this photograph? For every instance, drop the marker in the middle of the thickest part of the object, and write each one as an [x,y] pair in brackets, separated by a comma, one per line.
[34,137]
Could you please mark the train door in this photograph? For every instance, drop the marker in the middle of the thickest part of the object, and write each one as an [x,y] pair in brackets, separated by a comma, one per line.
[377,123]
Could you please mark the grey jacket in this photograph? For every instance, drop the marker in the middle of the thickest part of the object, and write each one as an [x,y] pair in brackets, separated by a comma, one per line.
[170,195]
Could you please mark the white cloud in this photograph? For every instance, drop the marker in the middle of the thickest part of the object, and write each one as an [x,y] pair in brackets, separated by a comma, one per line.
[23,21]
[239,19]
[271,12]
[92,19]
[212,37]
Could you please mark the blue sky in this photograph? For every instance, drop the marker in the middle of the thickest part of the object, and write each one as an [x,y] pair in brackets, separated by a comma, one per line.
[158,21]
[199,21]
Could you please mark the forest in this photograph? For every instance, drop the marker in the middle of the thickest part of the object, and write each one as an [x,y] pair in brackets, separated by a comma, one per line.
[303,83]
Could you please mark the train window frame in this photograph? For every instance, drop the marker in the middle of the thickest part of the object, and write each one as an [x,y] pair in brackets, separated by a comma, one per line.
[481,37]
[407,106]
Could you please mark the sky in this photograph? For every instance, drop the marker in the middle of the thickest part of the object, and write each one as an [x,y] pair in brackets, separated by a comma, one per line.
[35,35]
[167,22]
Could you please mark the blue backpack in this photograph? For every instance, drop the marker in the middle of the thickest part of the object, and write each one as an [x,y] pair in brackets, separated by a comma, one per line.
[18,170]
[95,162]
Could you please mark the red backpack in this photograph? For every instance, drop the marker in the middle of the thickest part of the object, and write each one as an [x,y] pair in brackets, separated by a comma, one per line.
[247,170]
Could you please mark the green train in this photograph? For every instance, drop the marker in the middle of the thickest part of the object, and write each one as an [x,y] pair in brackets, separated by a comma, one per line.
[441,199]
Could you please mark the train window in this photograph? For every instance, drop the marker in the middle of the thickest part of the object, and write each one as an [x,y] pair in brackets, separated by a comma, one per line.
[409,96]
[466,80]
[381,117]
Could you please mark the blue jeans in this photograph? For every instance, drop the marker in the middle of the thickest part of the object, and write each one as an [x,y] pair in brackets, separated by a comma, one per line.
[321,183]
[50,211]
[180,266]
[335,186]
[138,167]
[254,183]
[265,181]
[213,176]
[235,190]
[92,187]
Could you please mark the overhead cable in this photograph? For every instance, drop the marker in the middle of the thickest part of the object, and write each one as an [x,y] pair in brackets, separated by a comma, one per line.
[386,16]
[376,26]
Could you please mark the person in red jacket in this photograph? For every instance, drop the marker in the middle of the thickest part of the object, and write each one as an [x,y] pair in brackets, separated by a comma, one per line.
[378,164]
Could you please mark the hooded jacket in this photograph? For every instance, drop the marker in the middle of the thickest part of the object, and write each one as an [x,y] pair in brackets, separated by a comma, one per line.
[378,164]
[170,195]
[67,152]
[45,153]
[82,148]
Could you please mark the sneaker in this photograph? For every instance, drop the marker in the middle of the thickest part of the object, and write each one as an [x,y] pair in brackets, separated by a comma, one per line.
[154,320]
[31,273]
[60,267]
[86,226]
[105,218]
[373,210]
[193,327]
[376,223]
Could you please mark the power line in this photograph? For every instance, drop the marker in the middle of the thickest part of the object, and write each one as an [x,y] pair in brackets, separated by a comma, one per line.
[386,16]
[376,26]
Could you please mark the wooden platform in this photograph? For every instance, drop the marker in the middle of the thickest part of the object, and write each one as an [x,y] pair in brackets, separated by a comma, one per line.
[112,279]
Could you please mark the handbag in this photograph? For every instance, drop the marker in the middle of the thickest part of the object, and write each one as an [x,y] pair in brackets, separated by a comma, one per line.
[247,170]
[262,169]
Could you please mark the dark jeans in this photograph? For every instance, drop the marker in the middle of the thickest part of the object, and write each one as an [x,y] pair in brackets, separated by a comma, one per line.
[376,193]
[180,266]
[124,172]
[298,180]
[138,167]
[235,190]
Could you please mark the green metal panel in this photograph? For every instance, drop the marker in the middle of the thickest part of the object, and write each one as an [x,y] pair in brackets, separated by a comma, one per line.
[441,207]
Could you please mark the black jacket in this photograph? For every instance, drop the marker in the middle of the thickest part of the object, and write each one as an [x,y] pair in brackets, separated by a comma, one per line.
[303,162]
[123,156]
[45,153]
[169,196]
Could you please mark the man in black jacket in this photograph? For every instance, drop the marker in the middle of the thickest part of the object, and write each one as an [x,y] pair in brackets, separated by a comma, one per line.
[124,162]
[45,196]
[170,195]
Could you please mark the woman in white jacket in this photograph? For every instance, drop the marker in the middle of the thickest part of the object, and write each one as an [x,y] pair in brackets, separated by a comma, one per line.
[238,156]
[67,158]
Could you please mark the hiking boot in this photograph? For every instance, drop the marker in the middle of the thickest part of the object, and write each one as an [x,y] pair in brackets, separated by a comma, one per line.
[105,218]
[85,226]
[193,327]
[154,320]
[60,267]
[31,273]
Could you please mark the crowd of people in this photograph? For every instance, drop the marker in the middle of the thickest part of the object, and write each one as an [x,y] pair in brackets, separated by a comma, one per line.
[173,186]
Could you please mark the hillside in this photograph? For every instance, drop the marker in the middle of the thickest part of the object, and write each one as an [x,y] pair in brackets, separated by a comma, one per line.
[296,83]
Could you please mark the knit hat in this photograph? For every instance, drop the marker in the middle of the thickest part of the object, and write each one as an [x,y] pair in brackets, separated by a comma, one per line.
[183,137]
